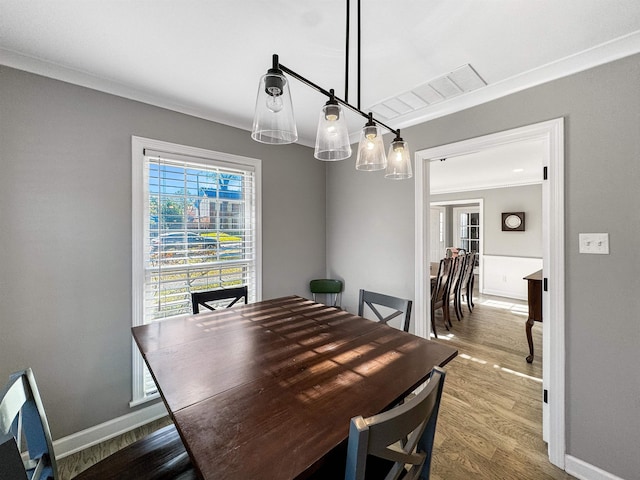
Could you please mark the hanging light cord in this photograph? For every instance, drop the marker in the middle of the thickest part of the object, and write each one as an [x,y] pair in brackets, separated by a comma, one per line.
[359,34]
[346,56]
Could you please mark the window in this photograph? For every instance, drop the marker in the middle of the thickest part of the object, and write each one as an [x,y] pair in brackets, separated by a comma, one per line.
[196,218]
[468,229]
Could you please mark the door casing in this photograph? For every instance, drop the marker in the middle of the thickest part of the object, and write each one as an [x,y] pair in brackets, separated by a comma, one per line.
[552,134]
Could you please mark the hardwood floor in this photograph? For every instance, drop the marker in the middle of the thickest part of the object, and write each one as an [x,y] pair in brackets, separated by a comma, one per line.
[72,465]
[490,423]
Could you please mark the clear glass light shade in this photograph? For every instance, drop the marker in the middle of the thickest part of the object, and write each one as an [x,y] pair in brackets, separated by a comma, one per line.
[332,139]
[273,120]
[371,155]
[398,161]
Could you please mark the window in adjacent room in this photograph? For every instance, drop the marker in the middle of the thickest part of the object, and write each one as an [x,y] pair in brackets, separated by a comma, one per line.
[196,217]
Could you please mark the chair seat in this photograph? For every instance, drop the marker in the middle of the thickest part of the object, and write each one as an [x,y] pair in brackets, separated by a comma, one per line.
[160,455]
[334,465]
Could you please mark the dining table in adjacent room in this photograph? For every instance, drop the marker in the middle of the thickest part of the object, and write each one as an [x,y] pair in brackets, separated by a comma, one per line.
[266,390]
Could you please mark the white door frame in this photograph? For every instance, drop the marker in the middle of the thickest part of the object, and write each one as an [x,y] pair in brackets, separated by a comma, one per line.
[552,133]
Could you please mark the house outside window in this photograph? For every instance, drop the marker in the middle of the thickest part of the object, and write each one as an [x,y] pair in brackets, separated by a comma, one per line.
[196,227]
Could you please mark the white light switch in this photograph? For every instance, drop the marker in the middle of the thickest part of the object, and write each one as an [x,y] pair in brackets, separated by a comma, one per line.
[596,243]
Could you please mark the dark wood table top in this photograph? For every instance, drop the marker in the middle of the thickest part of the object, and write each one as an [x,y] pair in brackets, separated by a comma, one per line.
[265,390]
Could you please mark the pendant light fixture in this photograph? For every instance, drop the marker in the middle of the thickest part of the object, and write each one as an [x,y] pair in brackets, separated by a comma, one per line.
[273,122]
[398,162]
[371,155]
[332,139]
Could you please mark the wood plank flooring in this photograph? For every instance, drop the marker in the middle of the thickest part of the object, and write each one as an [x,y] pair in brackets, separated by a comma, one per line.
[490,423]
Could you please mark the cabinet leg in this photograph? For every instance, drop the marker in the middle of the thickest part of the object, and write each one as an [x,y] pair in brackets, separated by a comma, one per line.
[528,327]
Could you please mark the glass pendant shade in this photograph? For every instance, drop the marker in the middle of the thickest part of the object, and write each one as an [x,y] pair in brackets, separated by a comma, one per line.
[371,155]
[332,139]
[273,120]
[398,161]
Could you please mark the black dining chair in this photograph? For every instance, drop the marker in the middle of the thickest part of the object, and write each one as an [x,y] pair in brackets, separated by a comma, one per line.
[23,422]
[467,282]
[453,288]
[438,294]
[400,306]
[206,298]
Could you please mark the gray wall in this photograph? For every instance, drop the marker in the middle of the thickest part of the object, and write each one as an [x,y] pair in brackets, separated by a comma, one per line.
[527,199]
[65,234]
[371,242]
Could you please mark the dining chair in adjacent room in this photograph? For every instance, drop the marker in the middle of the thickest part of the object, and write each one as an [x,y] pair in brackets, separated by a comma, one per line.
[453,289]
[330,287]
[22,418]
[438,291]
[394,444]
[467,283]
[400,306]
[206,298]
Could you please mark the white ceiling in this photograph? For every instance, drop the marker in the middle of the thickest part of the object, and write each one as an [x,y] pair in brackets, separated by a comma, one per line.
[205,57]
[508,165]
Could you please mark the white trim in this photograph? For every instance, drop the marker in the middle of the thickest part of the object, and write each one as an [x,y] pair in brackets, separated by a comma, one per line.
[600,54]
[552,132]
[147,398]
[84,79]
[584,471]
[484,187]
[79,441]
[610,51]
[138,145]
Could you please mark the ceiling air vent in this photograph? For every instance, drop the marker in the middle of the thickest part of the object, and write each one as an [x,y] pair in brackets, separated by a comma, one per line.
[462,80]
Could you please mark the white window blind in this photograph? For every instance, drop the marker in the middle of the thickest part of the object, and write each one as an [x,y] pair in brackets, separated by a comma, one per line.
[197,231]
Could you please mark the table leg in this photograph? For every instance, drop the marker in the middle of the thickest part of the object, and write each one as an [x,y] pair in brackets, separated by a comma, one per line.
[528,327]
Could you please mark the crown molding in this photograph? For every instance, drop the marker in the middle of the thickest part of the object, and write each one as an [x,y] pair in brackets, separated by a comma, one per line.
[81,78]
[600,54]
[607,52]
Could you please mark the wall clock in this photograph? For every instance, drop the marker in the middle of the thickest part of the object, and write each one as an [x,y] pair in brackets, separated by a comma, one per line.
[513,222]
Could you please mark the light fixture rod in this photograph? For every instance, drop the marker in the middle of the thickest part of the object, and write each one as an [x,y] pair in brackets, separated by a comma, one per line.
[346,56]
[309,83]
[359,35]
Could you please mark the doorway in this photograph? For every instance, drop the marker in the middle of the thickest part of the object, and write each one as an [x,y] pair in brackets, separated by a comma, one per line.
[551,133]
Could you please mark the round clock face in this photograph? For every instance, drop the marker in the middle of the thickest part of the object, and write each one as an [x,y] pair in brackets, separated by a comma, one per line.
[513,221]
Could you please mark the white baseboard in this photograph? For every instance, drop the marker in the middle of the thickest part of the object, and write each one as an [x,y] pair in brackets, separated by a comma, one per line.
[503,293]
[92,436]
[584,471]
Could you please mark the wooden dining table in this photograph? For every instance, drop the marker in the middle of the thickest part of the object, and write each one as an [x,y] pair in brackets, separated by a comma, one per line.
[266,390]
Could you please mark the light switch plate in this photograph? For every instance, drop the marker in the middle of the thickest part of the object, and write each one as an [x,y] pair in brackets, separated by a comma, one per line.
[594,243]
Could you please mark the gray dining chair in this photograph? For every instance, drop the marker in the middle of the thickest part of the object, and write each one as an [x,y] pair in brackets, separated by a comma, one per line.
[397,443]
[403,436]
[22,418]
[23,422]
[373,300]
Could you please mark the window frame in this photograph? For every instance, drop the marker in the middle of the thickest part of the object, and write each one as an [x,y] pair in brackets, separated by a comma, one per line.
[138,177]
